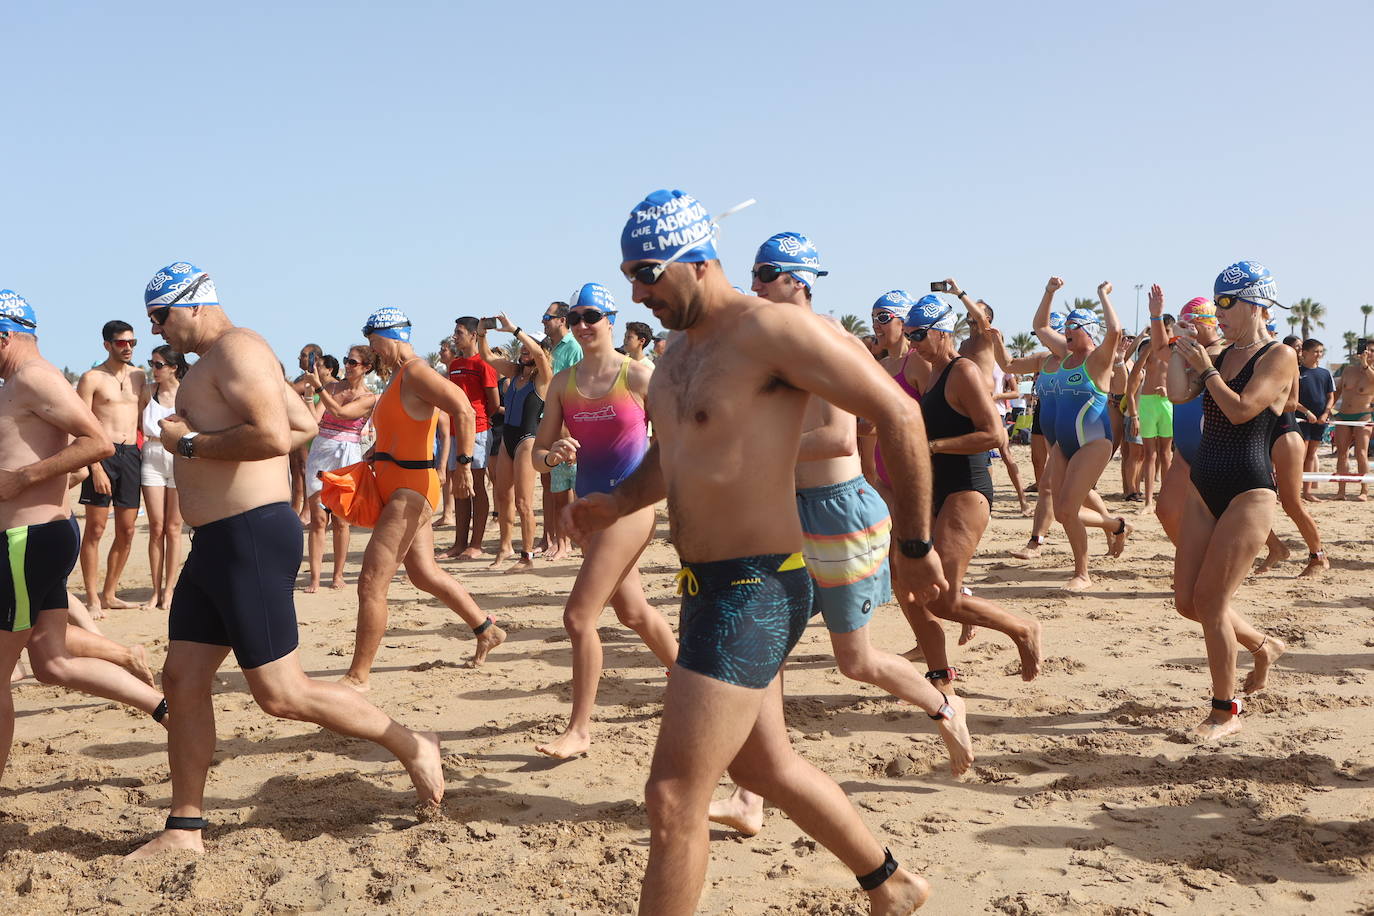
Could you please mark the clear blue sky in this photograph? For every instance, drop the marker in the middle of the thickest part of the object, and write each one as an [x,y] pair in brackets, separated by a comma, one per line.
[323,159]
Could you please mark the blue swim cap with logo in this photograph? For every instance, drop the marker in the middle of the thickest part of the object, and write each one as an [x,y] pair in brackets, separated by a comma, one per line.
[388,322]
[1057,321]
[665,223]
[1246,280]
[895,301]
[793,253]
[16,315]
[1088,321]
[931,312]
[594,296]
[180,284]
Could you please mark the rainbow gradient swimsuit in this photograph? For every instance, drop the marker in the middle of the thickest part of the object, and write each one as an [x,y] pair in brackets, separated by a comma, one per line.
[612,433]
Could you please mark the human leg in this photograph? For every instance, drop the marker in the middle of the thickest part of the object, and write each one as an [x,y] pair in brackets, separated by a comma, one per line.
[1362,436]
[1311,465]
[97,517]
[187,678]
[125,520]
[11,645]
[53,663]
[503,494]
[1080,476]
[1288,454]
[561,545]
[1014,473]
[1173,496]
[391,539]
[319,521]
[427,576]
[155,502]
[1052,467]
[341,531]
[1341,439]
[481,510]
[171,552]
[524,500]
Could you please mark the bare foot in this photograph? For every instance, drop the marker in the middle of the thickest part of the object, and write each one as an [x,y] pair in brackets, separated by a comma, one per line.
[1029,552]
[1212,729]
[900,895]
[914,654]
[137,665]
[337,583]
[445,522]
[357,684]
[1027,510]
[1362,498]
[566,746]
[168,841]
[1275,557]
[110,602]
[1029,648]
[734,812]
[1116,543]
[1077,583]
[152,602]
[21,672]
[1317,563]
[472,553]
[502,555]
[1308,497]
[524,564]
[489,639]
[967,633]
[954,732]
[1267,653]
[450,554]
[426,769]
[312,588]
[165,604]
[559,551]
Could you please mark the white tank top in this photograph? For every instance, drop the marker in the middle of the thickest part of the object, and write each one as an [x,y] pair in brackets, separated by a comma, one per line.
[152,414]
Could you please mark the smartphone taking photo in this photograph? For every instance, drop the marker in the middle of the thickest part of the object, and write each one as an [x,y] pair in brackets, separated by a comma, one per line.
[488,324]
[939,286]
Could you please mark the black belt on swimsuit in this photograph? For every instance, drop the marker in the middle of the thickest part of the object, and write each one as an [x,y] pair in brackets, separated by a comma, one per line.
[408,465]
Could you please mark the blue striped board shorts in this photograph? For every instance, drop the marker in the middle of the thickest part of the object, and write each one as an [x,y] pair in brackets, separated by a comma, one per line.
[846,532]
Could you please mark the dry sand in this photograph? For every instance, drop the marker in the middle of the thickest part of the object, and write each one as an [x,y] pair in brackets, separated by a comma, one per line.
[1086,796]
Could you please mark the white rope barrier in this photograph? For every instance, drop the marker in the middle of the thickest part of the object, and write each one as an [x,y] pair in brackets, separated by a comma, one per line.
[1338,422]
[1337,478]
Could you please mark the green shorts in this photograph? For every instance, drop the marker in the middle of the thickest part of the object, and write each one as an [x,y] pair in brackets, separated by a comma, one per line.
[1156,417]
[562,477]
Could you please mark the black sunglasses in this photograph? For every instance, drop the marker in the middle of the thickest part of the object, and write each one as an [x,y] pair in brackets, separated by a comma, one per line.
[350,361]
[590,317]
[916,335]
[158,364]
[767,273]
[159,315]
[883,317]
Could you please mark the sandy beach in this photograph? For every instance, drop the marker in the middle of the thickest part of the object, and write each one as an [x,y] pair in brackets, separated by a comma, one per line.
[1087,796]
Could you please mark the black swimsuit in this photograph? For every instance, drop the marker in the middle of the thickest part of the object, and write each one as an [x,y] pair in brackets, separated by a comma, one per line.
[1233,458]
[952,473]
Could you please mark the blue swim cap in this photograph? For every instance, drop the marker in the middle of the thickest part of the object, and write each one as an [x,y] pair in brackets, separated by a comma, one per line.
[1246,280]
[931,312]
[594,296]
[1088,320]
[16,315]
[388,322]
[794,253]
[172,285]
[664,223]
[1272,325]
[1057,321]
[896,301]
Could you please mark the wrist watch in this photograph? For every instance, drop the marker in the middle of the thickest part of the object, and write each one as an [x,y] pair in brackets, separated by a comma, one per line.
[915,548]
[186,446]
[465,459]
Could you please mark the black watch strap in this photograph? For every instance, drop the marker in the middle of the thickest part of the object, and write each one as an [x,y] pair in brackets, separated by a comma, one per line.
[915,548]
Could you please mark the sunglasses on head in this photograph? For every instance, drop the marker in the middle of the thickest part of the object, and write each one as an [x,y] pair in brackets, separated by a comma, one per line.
[350,361]
[883,317]
[591,316]
[916,335]
[767,273]
[131,342]
[158,364]
[1226,303]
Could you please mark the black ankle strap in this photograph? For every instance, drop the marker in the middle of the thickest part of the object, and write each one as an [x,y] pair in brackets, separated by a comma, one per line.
[161,712]
[186,823]
[874,879]
[943,674]
[1233,706]
[482,628]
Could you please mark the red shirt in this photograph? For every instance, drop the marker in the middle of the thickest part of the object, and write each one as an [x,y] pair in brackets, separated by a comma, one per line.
[474,375]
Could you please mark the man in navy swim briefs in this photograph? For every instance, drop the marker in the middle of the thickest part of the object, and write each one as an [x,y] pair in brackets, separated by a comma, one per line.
[743,363]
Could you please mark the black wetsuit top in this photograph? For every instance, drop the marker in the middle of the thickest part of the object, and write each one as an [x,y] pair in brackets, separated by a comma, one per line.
[952,473]
[1233,458]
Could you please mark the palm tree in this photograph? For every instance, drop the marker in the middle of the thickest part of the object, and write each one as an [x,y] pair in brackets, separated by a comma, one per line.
[1293,320]
[1365,310]
[1024,344]
[1351,340]
[1309,313]
[854,325]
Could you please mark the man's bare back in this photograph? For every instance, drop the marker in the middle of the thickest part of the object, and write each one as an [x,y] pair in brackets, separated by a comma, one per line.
[820,413]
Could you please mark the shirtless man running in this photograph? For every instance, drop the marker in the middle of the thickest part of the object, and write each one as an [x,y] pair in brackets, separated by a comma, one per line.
[111,390]
[845,535]
[236,422]
[1355,400]
[46,432]
[743,363]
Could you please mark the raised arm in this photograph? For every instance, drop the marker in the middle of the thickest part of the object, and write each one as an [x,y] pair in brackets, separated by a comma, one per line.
[42,391]
[504,366]
[305,423]
[1057,343]
[360,406]
[977,318]
[1100,360]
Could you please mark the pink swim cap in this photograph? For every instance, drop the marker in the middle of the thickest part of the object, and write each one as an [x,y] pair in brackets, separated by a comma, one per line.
[1199,310]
